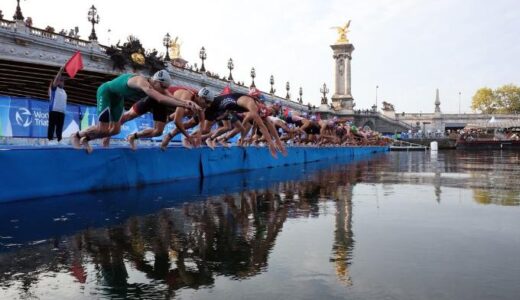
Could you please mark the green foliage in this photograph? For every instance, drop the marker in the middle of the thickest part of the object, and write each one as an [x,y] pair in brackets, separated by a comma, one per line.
[505,100]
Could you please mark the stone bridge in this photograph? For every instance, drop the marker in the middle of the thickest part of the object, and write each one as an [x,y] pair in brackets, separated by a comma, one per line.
[380,122]
[30,57]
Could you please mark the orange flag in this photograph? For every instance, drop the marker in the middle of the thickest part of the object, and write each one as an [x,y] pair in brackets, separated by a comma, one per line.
[74,64]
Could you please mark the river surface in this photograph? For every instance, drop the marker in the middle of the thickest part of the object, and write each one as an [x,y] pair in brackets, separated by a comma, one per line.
[391,226]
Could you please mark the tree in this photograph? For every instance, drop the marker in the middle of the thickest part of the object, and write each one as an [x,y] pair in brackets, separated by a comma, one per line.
[484,101]
[508,98]
[503,100]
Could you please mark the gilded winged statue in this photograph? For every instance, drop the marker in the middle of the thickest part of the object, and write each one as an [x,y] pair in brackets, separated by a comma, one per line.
[175,48]
[342,31]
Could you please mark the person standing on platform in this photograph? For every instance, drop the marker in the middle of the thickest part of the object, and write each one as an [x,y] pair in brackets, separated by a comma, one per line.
[57,106]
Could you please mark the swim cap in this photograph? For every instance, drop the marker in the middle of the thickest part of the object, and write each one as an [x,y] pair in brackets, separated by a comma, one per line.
[206,94]
[313,118]
[163,77]
[254,92]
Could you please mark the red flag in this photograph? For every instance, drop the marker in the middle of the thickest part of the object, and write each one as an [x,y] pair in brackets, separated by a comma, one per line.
[226,90]
[74,64]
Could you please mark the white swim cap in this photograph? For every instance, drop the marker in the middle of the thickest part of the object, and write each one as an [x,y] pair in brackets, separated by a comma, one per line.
[163,77]
[206,94]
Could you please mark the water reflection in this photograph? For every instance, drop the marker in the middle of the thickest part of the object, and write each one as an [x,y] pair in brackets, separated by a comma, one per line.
[492,175]
[187,245]
[160,241]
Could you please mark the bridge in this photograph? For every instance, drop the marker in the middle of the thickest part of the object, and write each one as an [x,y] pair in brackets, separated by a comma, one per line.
[30,57]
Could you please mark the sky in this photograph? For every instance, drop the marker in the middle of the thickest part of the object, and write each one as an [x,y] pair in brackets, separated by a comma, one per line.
[408,48]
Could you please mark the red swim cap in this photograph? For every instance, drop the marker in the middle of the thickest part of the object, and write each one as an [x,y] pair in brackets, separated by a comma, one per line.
[254,92]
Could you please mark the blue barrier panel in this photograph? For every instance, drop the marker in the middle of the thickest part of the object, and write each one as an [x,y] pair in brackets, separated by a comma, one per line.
[43,172]
[258,158]
[153,165]
[222,160]
[58,171]
[311,155]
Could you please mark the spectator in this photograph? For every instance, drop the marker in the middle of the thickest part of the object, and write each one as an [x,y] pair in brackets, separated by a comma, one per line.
[57,106]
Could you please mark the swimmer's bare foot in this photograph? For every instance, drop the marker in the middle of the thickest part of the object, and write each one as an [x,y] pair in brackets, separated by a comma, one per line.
[224,143]
[166,140]
[131,140]
[210,143]
[186,143]
[84,142]
[282,149]
[272,150]
[74,140]
[106,142]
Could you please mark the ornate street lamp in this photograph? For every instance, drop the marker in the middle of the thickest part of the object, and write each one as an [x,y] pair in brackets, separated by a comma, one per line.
[377,87]
[271,81]
[93,18]
[230,66]
[202,56]
[253,75]
[301,94]
[18,16]
[324,90]
[167,42]
[287,87]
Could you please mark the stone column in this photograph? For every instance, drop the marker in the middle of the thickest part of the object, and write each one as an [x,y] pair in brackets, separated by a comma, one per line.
[342,99]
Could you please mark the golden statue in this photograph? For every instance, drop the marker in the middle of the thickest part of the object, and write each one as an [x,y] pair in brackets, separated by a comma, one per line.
[138,58]
[175,49]
[342,31]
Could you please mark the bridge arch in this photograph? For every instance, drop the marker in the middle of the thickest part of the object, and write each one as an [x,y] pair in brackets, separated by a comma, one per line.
[370,124]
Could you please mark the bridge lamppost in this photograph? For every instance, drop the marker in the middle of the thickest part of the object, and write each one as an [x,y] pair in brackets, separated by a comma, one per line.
[202,56]
[230,66]
[271,81]
[167,42]
[377,87]
[460,94]
[18,16]
[301,95]
[287,87]
[93,18]
[324,90]
[253,75]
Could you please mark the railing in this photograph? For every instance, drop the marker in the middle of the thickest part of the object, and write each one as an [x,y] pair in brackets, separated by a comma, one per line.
[406,125]
[76,41]
[7,24]
[42,33]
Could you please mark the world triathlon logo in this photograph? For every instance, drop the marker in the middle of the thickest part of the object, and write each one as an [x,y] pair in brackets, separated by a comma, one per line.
[23,117]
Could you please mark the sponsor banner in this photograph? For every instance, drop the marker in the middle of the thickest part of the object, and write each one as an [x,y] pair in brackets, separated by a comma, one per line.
[5,123]
[29,118]
[140,123]
[40,118]
[87,116]
[20,117]
[72,120]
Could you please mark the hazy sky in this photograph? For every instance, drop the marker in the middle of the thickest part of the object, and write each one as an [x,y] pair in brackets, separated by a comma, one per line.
[407,47]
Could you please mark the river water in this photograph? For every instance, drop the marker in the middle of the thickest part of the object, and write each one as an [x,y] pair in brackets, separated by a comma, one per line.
[393,226]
